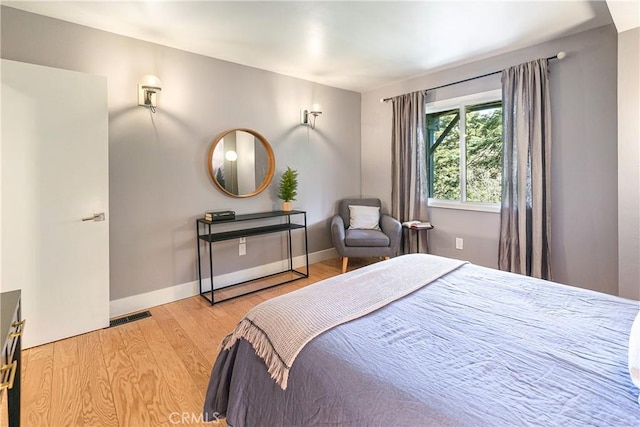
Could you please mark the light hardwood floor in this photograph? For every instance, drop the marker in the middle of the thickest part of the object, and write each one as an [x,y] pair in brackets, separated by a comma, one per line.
[150,372]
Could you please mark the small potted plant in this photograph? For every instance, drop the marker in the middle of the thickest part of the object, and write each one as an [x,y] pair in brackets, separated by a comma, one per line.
[288,188]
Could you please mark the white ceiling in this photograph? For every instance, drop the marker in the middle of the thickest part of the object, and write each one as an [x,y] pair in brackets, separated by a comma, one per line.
[353,45]
[625,14]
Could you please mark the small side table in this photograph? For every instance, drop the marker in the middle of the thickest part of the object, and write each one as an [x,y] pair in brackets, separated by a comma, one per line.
[423,226]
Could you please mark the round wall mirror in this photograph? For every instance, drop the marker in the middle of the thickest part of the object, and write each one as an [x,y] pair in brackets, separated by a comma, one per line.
[241,162]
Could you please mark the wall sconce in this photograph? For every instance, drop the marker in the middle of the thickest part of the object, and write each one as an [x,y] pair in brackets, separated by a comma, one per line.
[231,155]
[148,92]
[308,117]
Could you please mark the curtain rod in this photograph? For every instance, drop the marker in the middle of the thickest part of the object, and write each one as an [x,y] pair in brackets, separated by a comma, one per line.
[560,55]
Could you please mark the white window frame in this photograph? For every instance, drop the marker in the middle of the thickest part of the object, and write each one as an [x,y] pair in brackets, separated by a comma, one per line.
[458,103]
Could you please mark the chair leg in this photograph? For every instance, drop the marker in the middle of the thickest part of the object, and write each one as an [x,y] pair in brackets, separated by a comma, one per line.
[345,261]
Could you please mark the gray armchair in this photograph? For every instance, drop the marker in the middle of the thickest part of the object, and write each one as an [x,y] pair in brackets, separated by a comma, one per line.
[364,243]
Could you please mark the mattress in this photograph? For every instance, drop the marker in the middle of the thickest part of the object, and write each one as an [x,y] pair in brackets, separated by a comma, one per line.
[476,347]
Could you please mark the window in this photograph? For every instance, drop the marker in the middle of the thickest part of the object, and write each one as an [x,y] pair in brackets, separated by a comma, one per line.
[464,137]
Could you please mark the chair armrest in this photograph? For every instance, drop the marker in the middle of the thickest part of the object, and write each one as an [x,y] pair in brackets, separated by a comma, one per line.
[337,234]
[393,229]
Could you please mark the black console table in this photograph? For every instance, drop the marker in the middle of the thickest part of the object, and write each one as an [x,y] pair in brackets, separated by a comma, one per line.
[252,225]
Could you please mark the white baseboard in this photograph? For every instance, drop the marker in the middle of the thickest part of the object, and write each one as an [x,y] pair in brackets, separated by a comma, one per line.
[147,300]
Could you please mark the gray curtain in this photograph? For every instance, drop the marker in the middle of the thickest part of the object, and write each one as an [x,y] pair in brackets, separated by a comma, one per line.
[409,166]
[525,226]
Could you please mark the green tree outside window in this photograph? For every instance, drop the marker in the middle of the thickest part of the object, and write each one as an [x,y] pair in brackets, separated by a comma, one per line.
[471,161]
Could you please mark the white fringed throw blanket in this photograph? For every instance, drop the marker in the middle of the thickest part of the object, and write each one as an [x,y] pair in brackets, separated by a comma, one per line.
[279,328]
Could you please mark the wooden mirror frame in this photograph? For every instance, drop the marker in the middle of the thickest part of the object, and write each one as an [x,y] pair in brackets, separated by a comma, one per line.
[270,156]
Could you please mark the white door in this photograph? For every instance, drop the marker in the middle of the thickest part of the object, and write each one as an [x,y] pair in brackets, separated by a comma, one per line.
[54,173]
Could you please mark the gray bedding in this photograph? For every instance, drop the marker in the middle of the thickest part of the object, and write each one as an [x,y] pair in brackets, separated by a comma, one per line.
[477,347]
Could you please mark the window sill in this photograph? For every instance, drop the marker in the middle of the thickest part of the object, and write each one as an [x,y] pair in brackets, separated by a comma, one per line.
[466,206]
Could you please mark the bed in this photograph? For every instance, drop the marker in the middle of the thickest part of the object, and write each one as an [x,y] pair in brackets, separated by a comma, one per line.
[472,347]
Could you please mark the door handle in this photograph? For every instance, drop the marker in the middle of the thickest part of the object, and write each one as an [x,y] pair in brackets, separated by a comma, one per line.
[95,217]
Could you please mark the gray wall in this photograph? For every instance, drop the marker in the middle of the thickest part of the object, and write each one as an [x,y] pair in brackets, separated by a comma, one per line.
[584,158]
[629,163]
[159,182]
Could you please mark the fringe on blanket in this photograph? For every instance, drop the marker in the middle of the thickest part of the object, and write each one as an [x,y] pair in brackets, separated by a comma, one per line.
[278,370]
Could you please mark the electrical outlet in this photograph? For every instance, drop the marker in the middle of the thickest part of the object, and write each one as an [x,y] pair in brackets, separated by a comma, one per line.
[459,243]
[242,249]
[243,240]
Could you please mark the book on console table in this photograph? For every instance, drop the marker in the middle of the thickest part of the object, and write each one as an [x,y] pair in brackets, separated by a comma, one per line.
[417,224]
[219,215]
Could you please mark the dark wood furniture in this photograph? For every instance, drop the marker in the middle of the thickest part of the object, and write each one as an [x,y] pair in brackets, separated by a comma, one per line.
[252,225]
[11,327]
[417,230]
